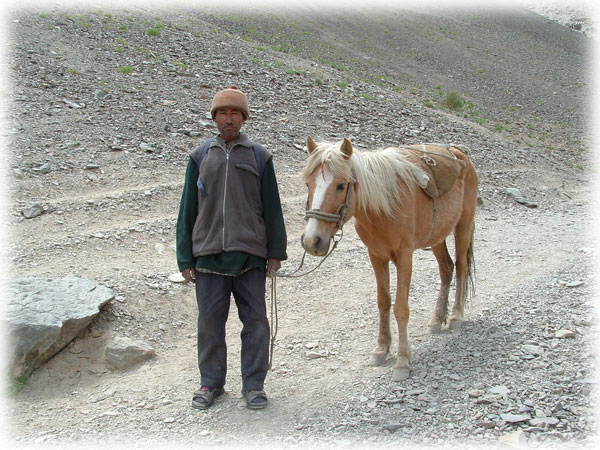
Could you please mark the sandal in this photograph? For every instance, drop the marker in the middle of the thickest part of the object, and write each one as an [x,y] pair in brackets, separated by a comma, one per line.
[204,398]
[255,399]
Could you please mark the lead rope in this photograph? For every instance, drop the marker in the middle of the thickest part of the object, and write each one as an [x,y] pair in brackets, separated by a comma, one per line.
[274,275]
[340,218]
[274,318]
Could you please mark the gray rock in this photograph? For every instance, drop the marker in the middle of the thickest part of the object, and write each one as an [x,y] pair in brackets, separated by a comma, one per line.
[72,104]
[476,393]
[543,421]
[515,418]
[32,211]
[500,390]
[149,148]
[44,168]
[516,194]
[564,333]
[124,352]
[45,315]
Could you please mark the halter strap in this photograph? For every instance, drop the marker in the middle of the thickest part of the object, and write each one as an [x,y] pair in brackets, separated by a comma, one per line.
[340,215]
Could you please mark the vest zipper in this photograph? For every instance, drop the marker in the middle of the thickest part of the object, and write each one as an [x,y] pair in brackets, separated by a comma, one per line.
[225,193]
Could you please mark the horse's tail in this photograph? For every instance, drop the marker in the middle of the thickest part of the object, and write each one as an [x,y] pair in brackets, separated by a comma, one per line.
[470,277]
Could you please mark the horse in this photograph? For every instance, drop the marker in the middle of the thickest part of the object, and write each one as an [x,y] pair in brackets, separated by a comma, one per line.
[393,217]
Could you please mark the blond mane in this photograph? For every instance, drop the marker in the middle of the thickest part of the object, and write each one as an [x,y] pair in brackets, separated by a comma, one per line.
[378,173]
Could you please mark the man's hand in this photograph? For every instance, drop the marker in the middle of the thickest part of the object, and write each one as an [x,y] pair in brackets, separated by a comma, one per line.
[189,275]
[273,265]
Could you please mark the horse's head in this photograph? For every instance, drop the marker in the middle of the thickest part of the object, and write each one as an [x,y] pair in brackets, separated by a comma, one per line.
[330,183]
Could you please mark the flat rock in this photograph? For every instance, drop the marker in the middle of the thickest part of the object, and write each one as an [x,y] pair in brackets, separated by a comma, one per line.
[542,421]
[177,278]
[43,316]
[500,390]
[564,333]
[123,352]
[33,211]
[515,418]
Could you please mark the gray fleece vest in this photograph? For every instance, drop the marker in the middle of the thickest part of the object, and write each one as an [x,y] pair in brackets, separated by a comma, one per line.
[230,211]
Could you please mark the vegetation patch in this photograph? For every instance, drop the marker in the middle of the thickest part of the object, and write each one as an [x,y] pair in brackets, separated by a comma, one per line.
[126,69]
[17,384]
[454,101]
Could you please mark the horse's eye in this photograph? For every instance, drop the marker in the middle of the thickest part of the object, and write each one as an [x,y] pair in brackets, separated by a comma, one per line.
[341,187]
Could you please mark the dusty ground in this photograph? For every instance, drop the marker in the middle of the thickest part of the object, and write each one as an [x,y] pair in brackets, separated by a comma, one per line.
[115,142]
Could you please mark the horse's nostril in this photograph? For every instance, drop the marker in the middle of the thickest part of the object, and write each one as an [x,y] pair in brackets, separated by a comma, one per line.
[317,241]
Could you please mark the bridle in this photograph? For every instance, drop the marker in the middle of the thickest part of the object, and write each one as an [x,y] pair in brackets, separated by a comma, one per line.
[339,217]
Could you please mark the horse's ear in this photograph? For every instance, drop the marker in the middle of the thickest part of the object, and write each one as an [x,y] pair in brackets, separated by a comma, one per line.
[310,145]
[346,148]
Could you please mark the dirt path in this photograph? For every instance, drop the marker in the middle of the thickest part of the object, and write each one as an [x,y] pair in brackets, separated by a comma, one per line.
[321,387]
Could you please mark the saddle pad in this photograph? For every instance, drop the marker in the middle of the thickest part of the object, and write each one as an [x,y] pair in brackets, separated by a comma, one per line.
[440,166]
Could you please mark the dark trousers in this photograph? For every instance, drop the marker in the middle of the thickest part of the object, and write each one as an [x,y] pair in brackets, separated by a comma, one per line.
[213,294]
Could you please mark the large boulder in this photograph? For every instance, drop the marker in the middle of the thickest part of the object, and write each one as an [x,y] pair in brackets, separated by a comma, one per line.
[43,316]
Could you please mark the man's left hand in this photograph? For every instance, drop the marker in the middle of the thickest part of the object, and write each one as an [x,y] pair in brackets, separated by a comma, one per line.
[273,265]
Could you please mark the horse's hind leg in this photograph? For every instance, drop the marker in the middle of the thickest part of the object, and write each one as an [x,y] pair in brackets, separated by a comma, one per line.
[446,268]
[464,261]
[381,268]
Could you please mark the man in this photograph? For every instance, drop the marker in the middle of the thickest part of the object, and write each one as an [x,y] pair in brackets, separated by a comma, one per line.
[230,235]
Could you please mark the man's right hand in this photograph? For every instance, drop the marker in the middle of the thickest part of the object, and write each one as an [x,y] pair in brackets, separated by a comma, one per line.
[189,275]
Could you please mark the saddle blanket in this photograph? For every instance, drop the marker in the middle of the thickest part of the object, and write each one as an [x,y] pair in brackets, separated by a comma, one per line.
[437,168]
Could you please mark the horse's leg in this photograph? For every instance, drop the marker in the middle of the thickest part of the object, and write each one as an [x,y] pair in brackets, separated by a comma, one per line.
[381,267]
[463,236]
[403,264]
[446,268]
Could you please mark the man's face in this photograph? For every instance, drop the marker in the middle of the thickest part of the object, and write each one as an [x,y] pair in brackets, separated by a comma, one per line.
[229,122]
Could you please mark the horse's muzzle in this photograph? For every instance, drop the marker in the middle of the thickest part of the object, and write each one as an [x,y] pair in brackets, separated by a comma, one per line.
[315,245]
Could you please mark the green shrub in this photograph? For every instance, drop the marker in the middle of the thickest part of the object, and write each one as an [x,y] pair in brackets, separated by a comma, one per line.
[126,69]
[453,101]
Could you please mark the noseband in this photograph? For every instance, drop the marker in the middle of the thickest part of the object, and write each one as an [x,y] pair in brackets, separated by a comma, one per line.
[340,215]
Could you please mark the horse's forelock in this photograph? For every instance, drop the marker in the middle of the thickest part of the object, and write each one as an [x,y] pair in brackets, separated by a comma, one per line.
[329,156]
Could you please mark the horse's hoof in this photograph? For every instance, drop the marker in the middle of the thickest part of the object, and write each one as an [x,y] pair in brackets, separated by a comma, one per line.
[435,329]
[377,359]
[400,374]
[456,324]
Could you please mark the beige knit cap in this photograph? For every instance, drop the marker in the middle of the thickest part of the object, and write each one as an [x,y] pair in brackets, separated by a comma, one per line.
[231,97]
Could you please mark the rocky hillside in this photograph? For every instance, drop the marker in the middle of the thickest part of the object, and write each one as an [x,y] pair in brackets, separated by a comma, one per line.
[105,106]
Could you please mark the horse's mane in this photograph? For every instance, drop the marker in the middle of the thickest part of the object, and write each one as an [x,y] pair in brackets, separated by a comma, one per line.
[377,172]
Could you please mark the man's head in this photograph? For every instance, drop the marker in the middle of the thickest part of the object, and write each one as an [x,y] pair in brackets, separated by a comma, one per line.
[231,97]
[229,110]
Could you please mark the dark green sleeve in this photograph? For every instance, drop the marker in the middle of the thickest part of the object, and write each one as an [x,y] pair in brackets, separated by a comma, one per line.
[188,210]
[273,214]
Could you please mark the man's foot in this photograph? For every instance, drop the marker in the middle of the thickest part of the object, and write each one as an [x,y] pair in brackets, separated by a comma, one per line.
[205,397]
[256,399]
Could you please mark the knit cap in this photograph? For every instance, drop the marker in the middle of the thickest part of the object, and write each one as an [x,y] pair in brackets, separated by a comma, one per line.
[231,97]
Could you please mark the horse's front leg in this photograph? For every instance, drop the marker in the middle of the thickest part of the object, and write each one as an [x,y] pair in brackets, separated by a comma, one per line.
[401,312]
[381,267]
